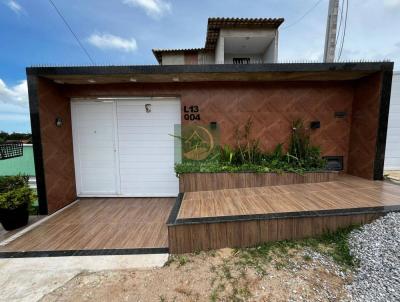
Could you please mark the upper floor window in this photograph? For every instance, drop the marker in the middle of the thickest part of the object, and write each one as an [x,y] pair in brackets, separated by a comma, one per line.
[241,60]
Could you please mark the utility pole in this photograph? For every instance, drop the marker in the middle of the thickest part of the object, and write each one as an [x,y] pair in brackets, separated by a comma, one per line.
[331,27]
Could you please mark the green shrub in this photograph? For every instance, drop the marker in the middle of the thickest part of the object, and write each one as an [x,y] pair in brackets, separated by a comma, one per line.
[8,183]
[300,151]
[247,149]
[15,191]
[247,156]
[15,198]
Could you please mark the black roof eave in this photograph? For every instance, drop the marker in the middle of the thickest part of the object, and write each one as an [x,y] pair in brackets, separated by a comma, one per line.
[215,68]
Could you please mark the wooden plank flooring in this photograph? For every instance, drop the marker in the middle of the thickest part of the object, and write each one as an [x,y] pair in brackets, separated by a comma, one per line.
[344,193]
[250,216]
[7,234]
[101,223]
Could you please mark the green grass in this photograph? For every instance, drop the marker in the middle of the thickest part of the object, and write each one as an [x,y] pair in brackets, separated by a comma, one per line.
[217,167]
[333,244]
[181,260]
[229,278]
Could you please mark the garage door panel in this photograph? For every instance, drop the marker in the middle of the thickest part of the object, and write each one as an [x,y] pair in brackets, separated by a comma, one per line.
[125,115]
[145,123]
[138,147]
[104,134]
[395,108]
[99,186]
[146,147]
[94,147]
[130,139]
[146,165]
[124,150]
[127,158]
[137,130]
[98,164]
[149,174]
[163,188]
[394,149]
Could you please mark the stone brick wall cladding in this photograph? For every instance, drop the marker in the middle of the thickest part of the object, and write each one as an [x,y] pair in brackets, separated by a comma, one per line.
[58,159]
[364,128]
[271,105]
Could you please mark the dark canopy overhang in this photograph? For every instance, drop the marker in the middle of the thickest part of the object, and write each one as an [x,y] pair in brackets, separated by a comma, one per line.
[210,73]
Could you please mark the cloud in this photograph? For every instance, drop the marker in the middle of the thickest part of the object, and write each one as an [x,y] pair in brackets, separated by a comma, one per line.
[391,3]
[108,41]
[153,8]
[14,117]
[14,6]
[13,104]
[16,95]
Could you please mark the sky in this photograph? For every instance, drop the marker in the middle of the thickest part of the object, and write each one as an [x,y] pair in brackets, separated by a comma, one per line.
[124,32]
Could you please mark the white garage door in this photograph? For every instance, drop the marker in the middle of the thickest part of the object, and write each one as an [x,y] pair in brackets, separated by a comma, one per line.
[126,143]
[392,157]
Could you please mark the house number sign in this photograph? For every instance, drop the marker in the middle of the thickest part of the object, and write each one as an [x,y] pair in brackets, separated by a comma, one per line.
[191,113]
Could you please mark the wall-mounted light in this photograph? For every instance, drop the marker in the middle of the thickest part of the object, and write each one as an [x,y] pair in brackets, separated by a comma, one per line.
[91,81]
[59,122]
[132,80]
[147,107]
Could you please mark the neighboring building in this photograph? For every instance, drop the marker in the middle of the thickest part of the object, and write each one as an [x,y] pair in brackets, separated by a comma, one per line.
[230,41]
[392,160]
[19,165]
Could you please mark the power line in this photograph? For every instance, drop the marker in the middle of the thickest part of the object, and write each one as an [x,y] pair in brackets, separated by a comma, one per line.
[344,30]
[303,16]
[72,32]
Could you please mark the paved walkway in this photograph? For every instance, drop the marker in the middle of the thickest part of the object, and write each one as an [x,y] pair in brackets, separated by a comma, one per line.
[29,279]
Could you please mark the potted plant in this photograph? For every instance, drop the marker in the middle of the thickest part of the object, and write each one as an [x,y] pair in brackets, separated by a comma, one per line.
[15,199]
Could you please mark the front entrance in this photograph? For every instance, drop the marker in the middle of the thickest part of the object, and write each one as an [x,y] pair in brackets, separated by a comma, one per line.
[124,147]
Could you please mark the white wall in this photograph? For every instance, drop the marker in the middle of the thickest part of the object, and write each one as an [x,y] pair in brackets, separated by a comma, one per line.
[173,59]
[262,46]
[392,157]
[206,58]
[271,53]
[220,50]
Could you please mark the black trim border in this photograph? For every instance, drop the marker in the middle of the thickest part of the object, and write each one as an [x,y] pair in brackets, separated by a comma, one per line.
[175,209]
[67,253]
[386,87]
[37,143]
[211,68]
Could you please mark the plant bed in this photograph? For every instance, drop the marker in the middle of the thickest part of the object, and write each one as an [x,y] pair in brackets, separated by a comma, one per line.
[15,200]
[247,165]
[192,182]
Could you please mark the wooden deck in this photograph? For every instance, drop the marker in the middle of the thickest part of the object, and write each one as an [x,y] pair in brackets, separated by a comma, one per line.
[249,216]
[207,219]
[100,224]
[347,192]
[7,234]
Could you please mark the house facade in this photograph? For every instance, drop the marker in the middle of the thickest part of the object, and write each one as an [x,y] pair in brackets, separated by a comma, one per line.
[105,131]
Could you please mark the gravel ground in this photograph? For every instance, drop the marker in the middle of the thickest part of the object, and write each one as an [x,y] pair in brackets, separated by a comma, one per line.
[377,248]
